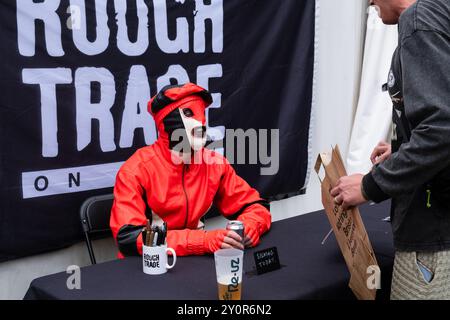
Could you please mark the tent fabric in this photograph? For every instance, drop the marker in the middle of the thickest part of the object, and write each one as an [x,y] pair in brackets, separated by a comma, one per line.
[372,121]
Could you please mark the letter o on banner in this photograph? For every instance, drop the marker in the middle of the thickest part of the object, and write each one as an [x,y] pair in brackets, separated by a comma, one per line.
[36,183]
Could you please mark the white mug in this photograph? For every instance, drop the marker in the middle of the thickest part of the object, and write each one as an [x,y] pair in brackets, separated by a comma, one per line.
[154,259]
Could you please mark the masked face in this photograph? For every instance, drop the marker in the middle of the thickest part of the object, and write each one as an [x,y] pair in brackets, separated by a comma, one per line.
[186,129]
[195,128]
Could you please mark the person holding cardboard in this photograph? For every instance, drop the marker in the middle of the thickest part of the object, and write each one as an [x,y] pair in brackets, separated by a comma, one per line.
[176,180]
[414,170]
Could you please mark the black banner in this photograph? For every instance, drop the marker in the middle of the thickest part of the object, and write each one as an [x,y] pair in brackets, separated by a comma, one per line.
[76,76]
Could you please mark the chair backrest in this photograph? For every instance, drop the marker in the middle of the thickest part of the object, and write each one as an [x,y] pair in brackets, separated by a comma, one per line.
[95,213]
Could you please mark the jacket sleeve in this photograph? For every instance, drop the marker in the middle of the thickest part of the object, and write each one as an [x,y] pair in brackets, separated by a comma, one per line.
[425,68]
[238,201]
[128,213]
[188,242]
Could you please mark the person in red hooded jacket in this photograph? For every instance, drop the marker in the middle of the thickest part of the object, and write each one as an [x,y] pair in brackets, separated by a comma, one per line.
[177,180]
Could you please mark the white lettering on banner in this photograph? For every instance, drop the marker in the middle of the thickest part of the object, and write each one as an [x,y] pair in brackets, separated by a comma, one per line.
[123,42]
[27,14]
[74,21]
[47,79]
[213,12]
[204,73]
[87,110]
[175,72]
[95,86]
[69,180]
[80,39]
[135,114]
[181,42]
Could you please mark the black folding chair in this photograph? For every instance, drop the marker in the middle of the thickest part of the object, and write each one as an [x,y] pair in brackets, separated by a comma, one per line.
[95,213]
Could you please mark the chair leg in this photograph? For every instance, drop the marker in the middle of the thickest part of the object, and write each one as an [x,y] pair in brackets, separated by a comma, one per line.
[89,246]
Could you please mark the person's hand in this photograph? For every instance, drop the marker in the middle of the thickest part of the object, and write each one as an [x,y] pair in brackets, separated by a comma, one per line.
[223,239]
[348,191]
[381,152]
[252,237]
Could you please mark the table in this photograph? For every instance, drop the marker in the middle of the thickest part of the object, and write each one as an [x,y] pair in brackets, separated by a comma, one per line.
[310,270]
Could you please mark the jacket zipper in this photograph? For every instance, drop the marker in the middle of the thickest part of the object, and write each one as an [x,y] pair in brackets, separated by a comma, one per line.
[185,195]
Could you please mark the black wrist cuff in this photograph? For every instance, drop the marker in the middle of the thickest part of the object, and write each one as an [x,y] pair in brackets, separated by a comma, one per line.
[371,190]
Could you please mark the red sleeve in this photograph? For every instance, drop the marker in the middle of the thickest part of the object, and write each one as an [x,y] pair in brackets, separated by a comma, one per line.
[128,213]
[187,242]
[237,200]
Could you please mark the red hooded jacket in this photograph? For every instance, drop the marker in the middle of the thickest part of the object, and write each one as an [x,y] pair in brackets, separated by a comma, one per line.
[151,183]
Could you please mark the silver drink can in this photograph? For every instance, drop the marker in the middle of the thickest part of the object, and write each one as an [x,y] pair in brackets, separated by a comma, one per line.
[236,226]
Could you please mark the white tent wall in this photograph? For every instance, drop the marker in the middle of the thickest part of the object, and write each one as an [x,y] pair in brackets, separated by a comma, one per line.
[374,113]
[340,39]
[340,36]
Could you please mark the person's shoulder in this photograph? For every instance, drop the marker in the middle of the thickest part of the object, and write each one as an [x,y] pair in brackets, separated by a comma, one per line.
[425,15]
[433,15]
[141,157]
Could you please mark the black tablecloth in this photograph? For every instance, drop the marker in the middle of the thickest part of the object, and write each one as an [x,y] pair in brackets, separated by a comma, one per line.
[311,270]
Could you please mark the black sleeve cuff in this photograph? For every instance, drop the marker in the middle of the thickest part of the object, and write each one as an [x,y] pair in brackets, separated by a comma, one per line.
[372,190]
[262,202]
[127,239]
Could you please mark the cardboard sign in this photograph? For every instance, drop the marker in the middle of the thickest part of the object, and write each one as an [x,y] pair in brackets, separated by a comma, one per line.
[267,260]
[348,228]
